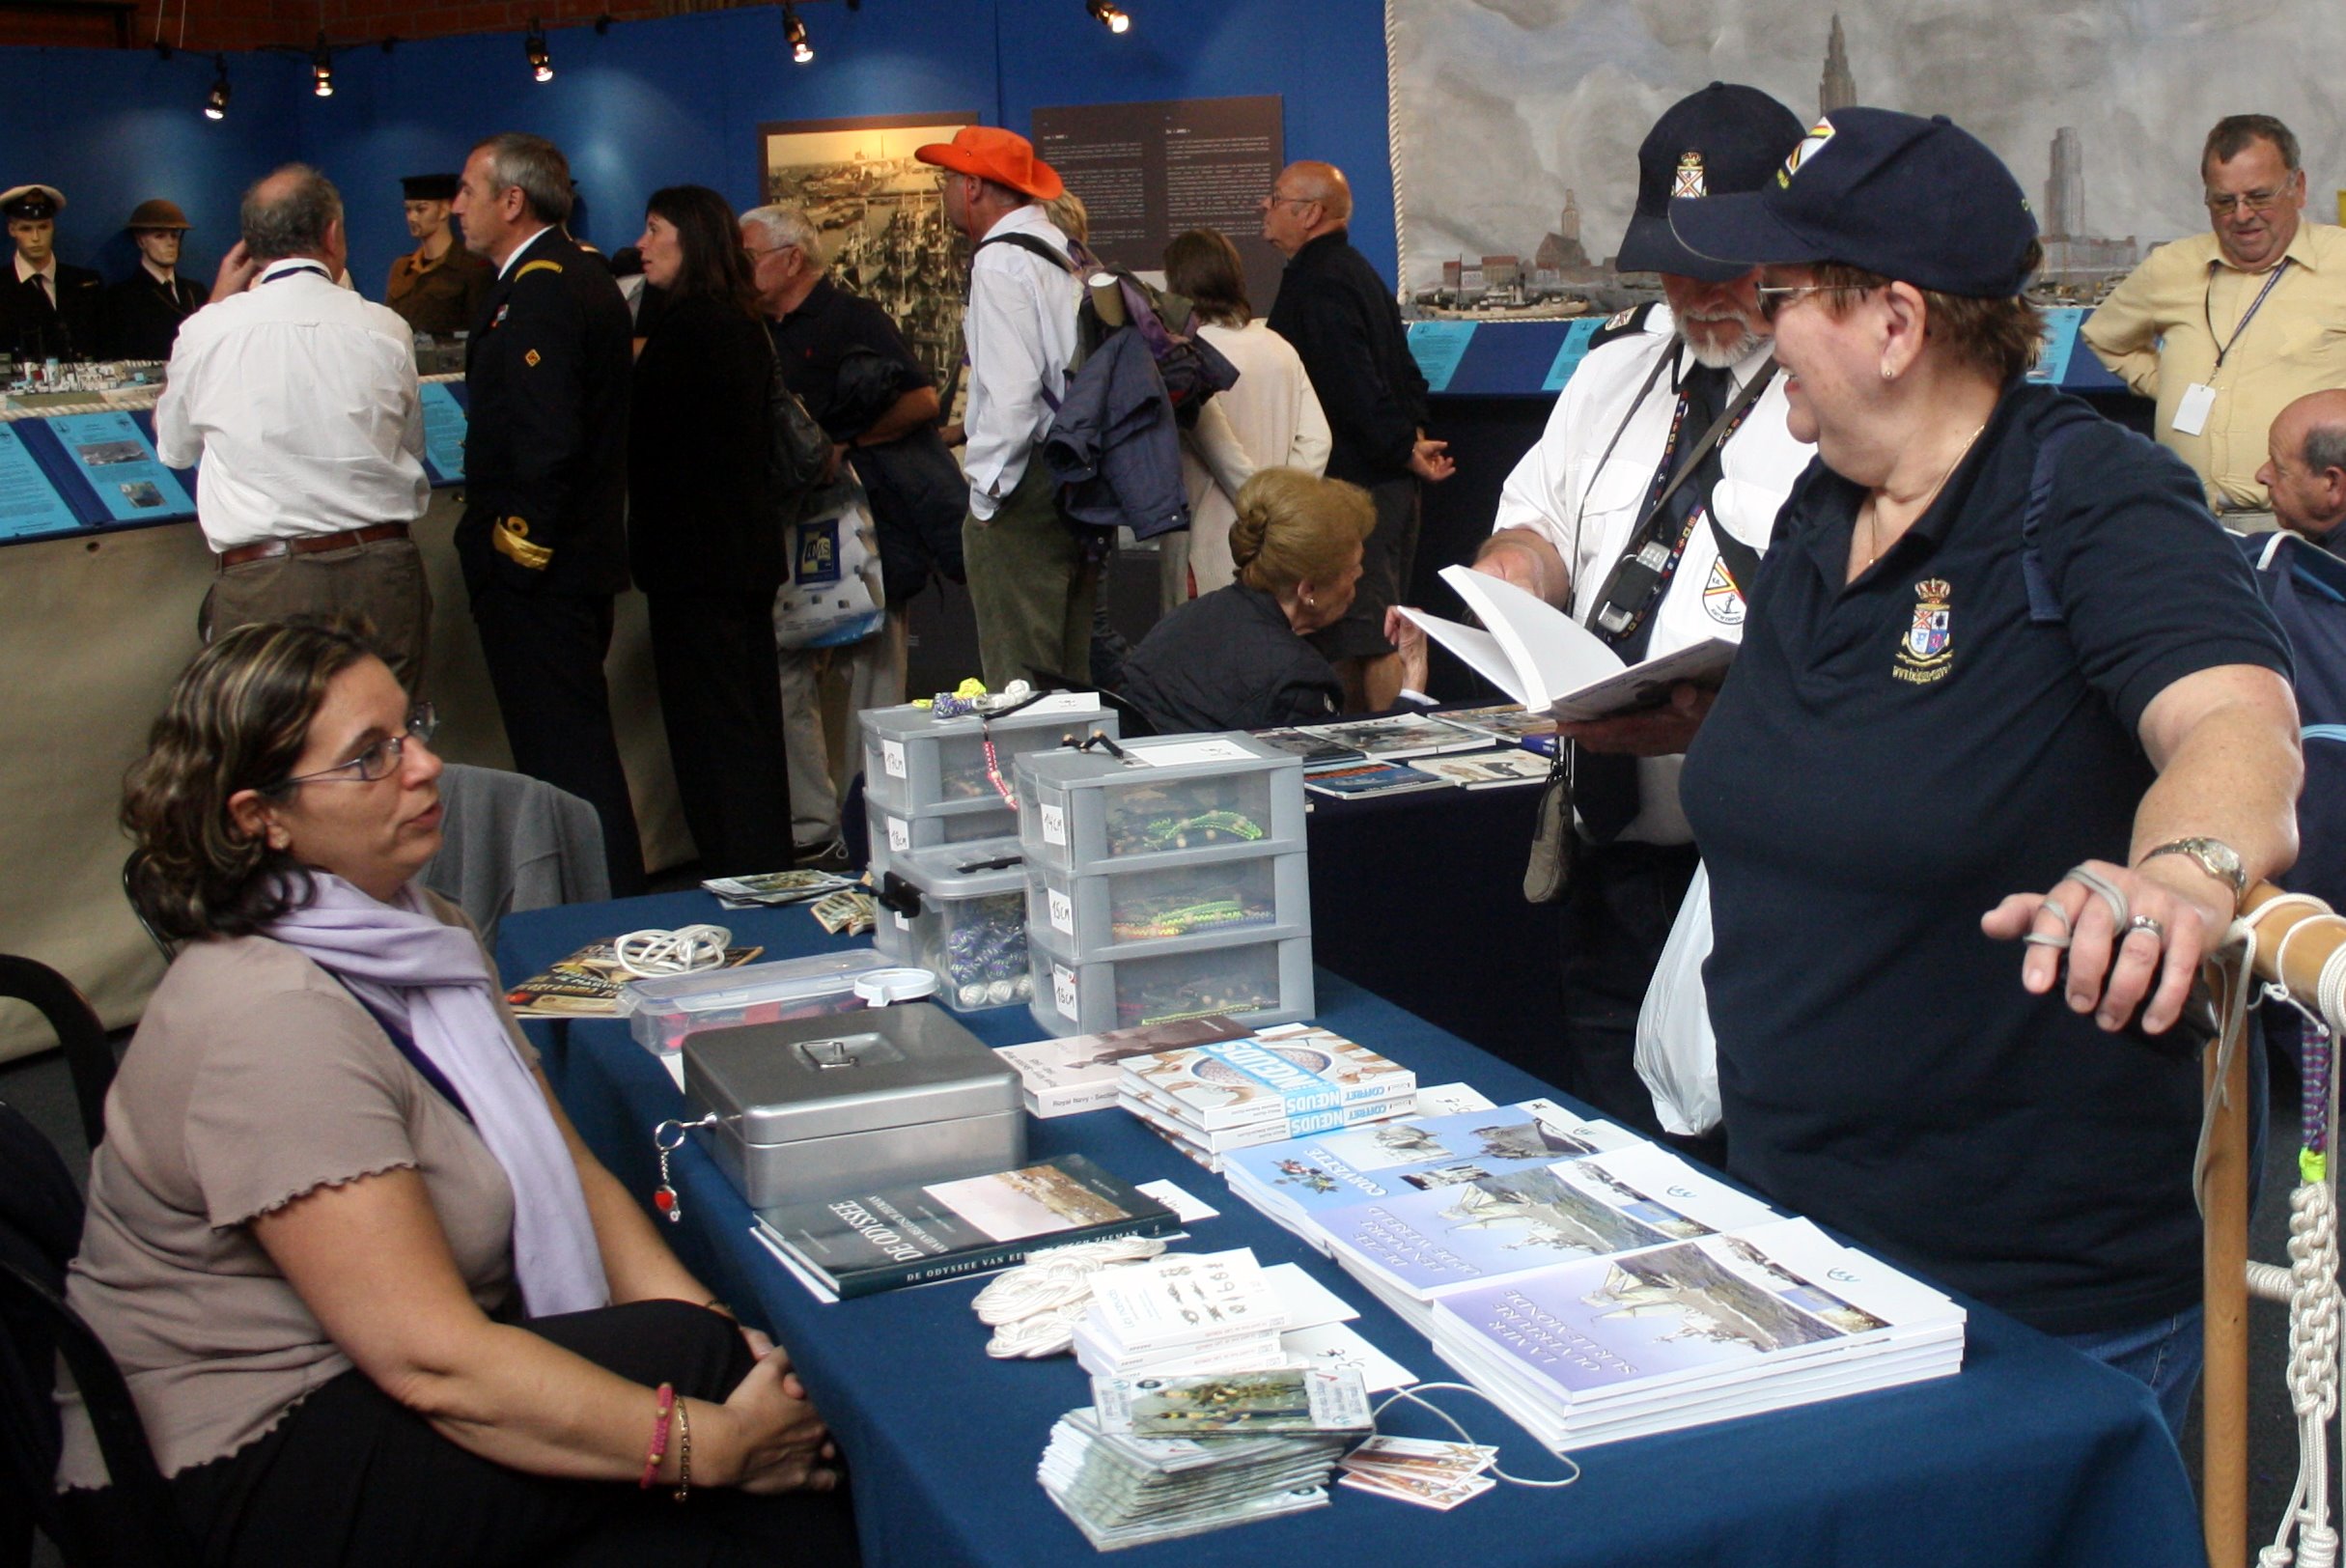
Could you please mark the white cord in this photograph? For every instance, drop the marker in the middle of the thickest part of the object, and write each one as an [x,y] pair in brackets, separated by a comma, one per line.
[651,953]
[1033,1308]
[1463,1435]
[1392,142]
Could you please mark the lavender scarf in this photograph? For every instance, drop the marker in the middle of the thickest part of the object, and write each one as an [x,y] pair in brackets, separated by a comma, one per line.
[429,978]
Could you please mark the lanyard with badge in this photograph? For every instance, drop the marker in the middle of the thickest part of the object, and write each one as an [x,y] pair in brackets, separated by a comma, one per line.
[2199,398]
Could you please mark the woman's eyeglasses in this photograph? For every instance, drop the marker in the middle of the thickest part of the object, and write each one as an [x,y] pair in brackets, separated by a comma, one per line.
[378,761]
[1774,297]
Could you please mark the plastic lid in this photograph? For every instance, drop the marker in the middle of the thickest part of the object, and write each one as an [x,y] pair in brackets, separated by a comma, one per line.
[881,987]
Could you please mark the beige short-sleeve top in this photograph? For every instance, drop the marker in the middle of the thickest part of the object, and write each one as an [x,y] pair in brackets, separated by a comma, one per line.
[254,1078]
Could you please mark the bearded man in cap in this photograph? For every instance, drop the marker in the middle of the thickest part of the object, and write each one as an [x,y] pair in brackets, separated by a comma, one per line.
[1030,577]
[48,310]
[437,287]
[143,312]
[1583,522]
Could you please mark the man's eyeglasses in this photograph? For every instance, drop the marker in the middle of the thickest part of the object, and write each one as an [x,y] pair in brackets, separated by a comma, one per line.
[378,761]
[1274,198]
[1774,297]
[2220,202]
[772,250]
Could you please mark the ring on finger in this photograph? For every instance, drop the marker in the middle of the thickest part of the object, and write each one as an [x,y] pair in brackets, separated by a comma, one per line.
[2143,922]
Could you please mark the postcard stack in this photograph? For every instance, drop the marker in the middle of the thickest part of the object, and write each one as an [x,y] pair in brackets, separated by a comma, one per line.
[1158,1458]
[1279,1084]
[1183,1313]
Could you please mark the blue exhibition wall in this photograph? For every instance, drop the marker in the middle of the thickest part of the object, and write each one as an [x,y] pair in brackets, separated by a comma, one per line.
[663,102]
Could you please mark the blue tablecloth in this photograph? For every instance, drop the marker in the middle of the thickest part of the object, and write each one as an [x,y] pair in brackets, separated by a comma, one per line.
[2031,1455]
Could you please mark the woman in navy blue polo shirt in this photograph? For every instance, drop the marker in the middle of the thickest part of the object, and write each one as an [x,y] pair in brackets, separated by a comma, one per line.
[2075,716]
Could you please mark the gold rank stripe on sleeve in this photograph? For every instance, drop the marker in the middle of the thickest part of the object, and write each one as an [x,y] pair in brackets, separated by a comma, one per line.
[527,267]
[511,537]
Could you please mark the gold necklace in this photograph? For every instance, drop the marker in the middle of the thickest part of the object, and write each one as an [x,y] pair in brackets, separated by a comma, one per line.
[1872,519]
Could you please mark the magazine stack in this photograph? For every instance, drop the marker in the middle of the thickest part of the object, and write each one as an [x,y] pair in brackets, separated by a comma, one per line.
[1154,1459]
[1279,1084]
[1166,880]
[1593,1284]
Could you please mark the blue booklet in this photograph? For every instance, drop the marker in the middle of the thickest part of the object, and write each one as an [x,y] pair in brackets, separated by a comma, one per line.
[1328,1171]
[1427,1244]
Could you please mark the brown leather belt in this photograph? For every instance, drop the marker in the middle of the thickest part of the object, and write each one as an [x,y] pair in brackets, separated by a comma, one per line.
[269,549]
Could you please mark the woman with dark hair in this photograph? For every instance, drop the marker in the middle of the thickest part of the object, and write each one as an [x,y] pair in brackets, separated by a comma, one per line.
[374,1298]
[2002,678]
[1236,659]
[1272,409]
[701,532]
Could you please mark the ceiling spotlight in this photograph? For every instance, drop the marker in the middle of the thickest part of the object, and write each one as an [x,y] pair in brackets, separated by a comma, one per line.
[321,68]
[541,58]
[1108,15]
[794,34]
[215,102]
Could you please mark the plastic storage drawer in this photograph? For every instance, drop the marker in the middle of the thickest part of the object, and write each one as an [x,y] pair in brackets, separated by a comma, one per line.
[662,1012]
[1164,803]
[1255,979]
[966,928]
[914,763]
[895,835]
[1118,913]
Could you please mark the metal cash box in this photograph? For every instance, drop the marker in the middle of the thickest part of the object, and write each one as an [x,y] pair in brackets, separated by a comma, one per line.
[817,1108]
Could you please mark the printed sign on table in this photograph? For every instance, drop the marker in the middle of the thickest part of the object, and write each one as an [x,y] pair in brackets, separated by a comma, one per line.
[112,454]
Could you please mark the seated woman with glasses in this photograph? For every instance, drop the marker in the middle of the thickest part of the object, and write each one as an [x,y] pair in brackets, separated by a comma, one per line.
[1236,659]
[374,1298]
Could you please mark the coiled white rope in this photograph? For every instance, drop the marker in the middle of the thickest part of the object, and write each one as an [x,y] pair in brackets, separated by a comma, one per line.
[1392,151]
[2309,1285]
[651,953]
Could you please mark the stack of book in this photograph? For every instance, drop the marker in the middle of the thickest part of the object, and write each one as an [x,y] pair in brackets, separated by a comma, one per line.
[1182,1314]
[1060,1077]
[1159,1458]
[1654,1339]
[1281,1084]
[1595,1285]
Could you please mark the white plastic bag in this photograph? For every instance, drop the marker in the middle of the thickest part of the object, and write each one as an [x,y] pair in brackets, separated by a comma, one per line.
[833,594]
[1677,1055]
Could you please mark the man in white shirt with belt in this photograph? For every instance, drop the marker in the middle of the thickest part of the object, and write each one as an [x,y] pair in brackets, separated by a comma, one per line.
[1030,577]
[1578,524]
[300,398]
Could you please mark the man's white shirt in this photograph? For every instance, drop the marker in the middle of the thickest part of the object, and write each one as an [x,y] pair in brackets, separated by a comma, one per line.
[1021,332]
[1585,503]
[301,399]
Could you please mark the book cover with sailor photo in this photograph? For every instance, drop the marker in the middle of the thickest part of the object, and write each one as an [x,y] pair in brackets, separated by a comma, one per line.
[1416,1153]
[1279,1074]
[1780,1292]
[1432,1242]
[910,1235]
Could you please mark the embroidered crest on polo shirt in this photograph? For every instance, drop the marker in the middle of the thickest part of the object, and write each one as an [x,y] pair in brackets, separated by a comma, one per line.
[1810,146]
[530,359]
[1688,181]
[1722,598]
[1928,649]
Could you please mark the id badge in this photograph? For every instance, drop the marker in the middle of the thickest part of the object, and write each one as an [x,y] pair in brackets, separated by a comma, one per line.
[2191,413]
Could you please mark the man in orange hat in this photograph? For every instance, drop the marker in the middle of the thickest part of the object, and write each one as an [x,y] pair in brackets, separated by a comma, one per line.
[1030,581]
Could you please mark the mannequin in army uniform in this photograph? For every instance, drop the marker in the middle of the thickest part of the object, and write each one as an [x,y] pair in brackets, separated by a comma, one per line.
[143,312]
[47,309]
[437,287]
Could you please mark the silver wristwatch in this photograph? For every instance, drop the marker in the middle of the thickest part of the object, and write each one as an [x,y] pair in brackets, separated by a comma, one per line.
[2214,856]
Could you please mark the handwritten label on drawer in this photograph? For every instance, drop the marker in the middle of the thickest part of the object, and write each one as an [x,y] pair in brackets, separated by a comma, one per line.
[900,835]
[1063,988]
[1054,825]
[892,758]
[1062,912]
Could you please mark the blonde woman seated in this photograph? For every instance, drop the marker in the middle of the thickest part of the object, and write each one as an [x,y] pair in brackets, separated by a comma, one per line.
[1236,659]
[374,1297]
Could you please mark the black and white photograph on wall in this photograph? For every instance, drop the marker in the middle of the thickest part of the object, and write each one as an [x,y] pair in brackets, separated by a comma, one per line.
[1516,123]
[881,216]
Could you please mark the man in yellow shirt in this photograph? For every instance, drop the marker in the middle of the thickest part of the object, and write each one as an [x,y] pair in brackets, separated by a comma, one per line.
[2227,328]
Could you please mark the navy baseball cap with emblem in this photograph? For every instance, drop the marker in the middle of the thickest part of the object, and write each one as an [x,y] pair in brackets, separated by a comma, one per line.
[1723,139]
[1920,201]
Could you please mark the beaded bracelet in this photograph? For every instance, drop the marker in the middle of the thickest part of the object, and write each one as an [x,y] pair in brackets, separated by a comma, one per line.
[683,1453]
[660,1437]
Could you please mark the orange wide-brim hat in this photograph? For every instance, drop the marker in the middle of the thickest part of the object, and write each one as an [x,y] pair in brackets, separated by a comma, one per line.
[1003,156]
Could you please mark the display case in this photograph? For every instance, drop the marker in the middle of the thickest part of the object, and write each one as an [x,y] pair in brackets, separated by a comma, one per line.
[1158,803]
[1113,914]
[914,763]
[966,927]
[1245,976]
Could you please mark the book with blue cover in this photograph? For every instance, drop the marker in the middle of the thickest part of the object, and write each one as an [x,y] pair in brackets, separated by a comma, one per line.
[1309,1176]
[1426,1243]
[1274,1076]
